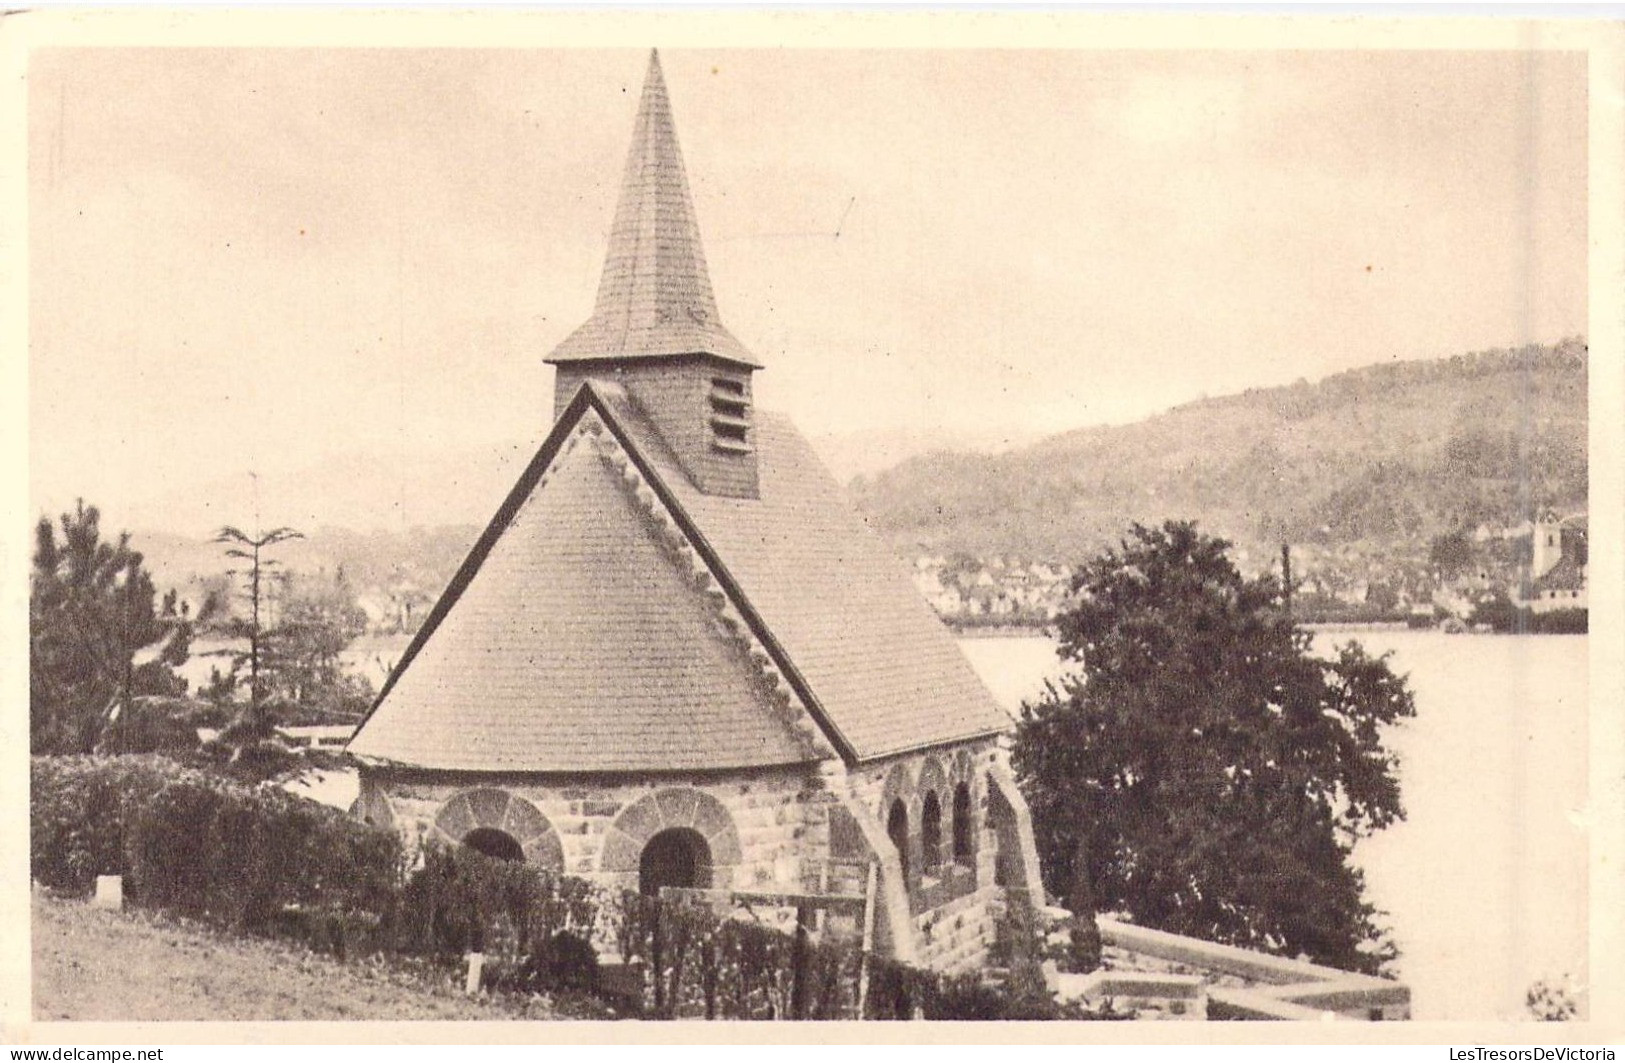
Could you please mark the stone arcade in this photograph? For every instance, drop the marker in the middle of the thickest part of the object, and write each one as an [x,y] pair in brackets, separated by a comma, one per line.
[676,657]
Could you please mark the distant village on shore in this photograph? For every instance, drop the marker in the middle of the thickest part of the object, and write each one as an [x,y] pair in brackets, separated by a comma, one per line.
[1528,577]
[1488,577]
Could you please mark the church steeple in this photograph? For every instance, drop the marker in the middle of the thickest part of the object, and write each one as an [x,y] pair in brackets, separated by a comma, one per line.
[654,329]
[654,296]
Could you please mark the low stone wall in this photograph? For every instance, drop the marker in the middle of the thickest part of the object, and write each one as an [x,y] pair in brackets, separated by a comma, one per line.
[956,901]
[1246,1005]
[959,936]
[1150,996]
[1242,984]
[1161,976]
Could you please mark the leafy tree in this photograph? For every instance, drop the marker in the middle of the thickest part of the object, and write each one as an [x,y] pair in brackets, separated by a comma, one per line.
[1451,554]
[1211,774]
[317,620]
[91,611]
[1500,612]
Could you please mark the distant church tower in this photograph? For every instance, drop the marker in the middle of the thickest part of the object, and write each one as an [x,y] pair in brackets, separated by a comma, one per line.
[1547,541]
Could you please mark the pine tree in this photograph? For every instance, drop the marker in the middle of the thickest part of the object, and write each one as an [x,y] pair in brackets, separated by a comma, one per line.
[301,664]
[91,610]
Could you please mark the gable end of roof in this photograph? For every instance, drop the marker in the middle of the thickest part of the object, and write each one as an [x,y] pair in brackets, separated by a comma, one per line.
[482,547]
[786,691]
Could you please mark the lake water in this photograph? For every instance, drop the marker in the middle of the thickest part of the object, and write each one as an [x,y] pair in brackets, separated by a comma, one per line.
[1485,882]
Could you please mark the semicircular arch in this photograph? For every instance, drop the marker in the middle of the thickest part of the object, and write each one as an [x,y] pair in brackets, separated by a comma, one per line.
[489,808]
[674,807]
[933,779]
[899,786]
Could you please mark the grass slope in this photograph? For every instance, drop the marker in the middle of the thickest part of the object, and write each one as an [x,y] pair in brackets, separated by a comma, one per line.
[1387,454]
[92,965]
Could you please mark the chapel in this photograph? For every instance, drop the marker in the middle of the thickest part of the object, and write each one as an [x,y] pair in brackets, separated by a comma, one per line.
[676,656]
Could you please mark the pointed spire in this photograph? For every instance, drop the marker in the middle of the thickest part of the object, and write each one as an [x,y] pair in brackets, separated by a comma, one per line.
[654,297]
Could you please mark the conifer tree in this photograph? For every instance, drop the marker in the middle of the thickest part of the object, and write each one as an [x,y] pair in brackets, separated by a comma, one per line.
[250,548]
[91,610]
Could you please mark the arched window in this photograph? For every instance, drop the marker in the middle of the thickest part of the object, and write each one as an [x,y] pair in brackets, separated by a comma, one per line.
[931,831]
[675,857]
[962,824]
[499,845]
[897,831]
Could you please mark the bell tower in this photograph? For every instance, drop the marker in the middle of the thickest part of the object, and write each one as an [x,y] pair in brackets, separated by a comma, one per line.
[1546,544]
[654,328]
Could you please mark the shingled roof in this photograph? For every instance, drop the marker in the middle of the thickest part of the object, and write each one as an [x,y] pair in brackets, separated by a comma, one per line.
[568,641]
[875,659]
[1566,575]
[572,640]
[654,296]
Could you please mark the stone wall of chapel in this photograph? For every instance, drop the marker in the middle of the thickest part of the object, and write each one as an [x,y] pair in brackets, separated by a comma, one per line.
[878,783]
[763,827]
[956,913]
[959,935]
[769,830]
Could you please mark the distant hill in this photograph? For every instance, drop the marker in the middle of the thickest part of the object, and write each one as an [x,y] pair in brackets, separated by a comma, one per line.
[1382,455]
[864,453]
[371,491]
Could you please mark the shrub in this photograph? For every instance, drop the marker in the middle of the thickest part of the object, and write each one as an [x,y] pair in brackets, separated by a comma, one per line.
[238,857]
[341,932]
[898,991]
[1552,1002]
[460,901]
[564,961]
[80,808]
[697,963]
[156,724]
[205,847]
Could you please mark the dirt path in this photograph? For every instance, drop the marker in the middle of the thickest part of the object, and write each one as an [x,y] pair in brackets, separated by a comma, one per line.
[94,965]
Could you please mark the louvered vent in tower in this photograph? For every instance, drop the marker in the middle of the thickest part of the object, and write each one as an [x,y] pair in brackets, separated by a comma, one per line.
[730,416]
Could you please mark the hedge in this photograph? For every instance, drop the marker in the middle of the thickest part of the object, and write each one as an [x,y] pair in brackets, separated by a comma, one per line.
[696,963]
[259,860]
[81,809]
[242,857]
[462,901]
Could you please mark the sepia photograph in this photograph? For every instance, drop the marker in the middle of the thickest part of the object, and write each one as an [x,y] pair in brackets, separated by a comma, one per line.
[680,527]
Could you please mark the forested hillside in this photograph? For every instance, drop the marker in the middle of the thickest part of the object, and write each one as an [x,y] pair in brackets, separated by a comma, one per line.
[1387,454]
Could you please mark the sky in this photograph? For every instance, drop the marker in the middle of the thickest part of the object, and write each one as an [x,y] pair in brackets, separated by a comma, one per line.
[332,259]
